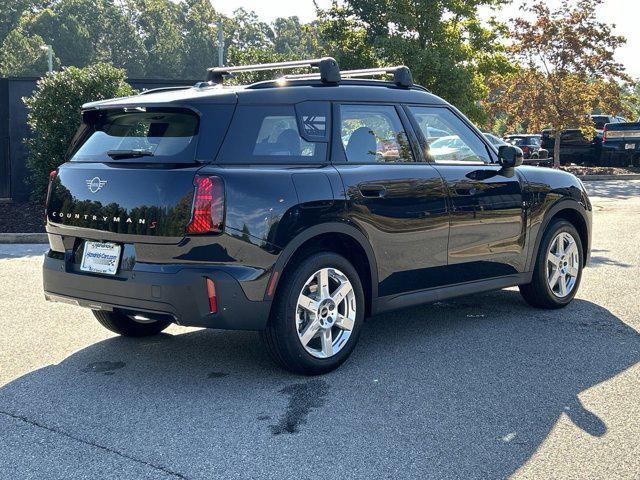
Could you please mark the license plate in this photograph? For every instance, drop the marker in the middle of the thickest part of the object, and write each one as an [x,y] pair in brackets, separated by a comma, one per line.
[100,257]
[630,146]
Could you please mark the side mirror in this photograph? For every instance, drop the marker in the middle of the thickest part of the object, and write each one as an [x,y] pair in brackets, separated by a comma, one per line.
[509,156]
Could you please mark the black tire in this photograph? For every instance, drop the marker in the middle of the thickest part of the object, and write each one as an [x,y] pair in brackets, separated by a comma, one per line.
[281,335]
[126,326]
[538,293]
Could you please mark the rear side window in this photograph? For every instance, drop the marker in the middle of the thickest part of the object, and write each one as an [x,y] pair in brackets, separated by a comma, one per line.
[269,134]
[148,133]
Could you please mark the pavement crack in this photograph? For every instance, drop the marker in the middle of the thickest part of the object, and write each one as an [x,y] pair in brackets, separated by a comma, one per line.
[126,456]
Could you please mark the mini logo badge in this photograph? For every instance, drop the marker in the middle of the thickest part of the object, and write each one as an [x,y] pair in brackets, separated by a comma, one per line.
[95,184]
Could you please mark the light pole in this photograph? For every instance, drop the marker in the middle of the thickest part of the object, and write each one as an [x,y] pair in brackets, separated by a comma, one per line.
[49,50]
[220,44]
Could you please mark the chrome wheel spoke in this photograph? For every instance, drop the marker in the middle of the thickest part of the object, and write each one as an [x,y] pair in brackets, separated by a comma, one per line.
[345,323]
[327,342]
[310,332]
[323,282]
[554,279]
[342,291]
[308,303]
[572,249]
[553,259]
[563,285]
[573,271]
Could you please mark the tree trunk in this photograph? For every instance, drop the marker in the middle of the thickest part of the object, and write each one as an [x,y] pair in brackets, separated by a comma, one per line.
[556,149]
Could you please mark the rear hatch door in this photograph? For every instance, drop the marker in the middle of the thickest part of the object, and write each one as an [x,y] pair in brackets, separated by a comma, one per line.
[130,177]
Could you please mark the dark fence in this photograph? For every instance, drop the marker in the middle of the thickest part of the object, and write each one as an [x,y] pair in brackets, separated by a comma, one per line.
[13,130]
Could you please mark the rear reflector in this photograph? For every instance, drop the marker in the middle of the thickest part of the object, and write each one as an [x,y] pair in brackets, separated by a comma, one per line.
[211,293]
[52,175]
[272,283]
[208,206]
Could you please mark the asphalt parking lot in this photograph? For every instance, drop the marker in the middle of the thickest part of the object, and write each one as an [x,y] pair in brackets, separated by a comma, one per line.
[478,387]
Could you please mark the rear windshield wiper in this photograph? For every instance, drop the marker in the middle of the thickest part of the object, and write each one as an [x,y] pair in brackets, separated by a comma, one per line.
[119,154]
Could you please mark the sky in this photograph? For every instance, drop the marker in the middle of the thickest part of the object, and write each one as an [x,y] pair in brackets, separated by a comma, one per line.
[623,13]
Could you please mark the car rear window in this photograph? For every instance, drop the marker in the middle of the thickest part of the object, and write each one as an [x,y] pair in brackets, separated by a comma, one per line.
[150,134]
[270,134]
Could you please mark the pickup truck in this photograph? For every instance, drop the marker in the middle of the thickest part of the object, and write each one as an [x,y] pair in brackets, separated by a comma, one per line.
[621,144]
[575,148]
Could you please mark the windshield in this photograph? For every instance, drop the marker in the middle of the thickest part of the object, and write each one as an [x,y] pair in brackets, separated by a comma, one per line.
[149,134]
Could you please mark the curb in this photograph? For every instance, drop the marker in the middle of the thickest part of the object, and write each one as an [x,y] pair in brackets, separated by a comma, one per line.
[593,178]
[23,238]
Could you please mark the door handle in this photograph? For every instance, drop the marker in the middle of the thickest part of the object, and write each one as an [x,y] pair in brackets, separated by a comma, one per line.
[372,191]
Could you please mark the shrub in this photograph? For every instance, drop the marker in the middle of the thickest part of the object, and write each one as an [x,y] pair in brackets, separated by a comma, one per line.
[54,114]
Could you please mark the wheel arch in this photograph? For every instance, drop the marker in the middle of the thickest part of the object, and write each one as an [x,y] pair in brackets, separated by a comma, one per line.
[341,238]
[574,213]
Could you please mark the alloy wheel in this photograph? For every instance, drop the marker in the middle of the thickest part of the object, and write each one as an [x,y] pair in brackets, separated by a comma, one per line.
[325,313]
[563,264]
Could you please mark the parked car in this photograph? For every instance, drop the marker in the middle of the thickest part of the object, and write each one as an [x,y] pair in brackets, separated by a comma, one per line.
[621,144]
[529,144]
[574,147]
[298,207]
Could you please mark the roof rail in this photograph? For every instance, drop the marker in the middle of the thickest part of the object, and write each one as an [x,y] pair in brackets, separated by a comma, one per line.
[401,74]
[164,89]
[329,69]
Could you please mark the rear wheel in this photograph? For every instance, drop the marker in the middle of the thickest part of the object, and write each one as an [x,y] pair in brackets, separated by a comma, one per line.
[317,315]
[128,326]
[558,268]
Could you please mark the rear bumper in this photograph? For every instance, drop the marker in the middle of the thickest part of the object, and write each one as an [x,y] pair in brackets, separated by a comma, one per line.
[179,292]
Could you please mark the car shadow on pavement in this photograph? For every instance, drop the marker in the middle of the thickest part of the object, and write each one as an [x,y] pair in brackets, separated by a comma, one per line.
[466,388]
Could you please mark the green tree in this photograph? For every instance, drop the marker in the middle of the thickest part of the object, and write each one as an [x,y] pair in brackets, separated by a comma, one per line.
[160,23]
[54,114]
[201,38]
[570,69]
[22,55]
[12,10]
[448,47]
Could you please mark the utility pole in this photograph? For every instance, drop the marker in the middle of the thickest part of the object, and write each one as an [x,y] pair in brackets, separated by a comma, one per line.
[220,44]
[49,50]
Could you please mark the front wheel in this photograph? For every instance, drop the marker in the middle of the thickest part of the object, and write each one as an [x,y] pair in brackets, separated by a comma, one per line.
[317,315]
[558,268]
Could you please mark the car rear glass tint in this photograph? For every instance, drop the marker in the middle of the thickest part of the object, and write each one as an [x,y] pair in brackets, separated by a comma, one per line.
[151,134]
[268,134]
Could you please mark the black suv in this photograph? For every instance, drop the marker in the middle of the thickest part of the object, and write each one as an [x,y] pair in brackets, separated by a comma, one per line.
[298,207]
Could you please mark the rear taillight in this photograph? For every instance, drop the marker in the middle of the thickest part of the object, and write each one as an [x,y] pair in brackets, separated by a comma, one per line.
[208,206]
[525,150]
[604,134]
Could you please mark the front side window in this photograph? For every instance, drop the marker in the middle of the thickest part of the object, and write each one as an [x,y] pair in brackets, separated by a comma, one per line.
[448,139]
[268,134]
[152,134]
[373,134]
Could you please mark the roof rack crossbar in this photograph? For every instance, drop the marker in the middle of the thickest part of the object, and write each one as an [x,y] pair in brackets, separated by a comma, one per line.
[329,69]
[401,74]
